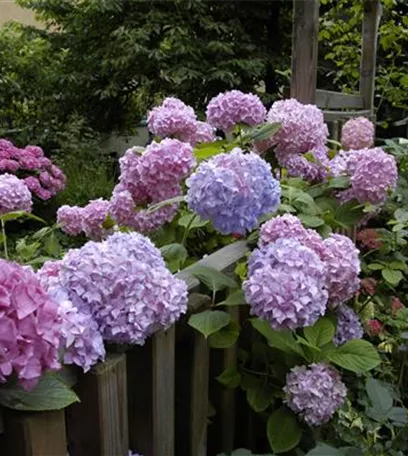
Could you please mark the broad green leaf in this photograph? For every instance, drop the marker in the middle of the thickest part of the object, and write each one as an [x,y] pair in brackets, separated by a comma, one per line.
[380,398]
[50,394]
[207,150]
[51,245]
[175,255]
[230,377]
[399,416]
[375,266]
[311,221]
[398,264]
[283,208]
[283,430]
[282,340]
[392,276]
[237,298]
[355,355]
[259,398]
[192,221]
[263,131]
[243,452]
[339,182]
[20,214]
[325,450]
[348,214]
[213,279]
[209,321]
[321,333]
[225,337]
[401,215]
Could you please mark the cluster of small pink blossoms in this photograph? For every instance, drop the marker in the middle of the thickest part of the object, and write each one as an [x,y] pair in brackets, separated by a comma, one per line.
[14,195]
[357,134]
[41,176]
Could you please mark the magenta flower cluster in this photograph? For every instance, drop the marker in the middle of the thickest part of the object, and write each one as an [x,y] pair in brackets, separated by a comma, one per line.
[314,392]
[29,326]
[42,177]
[357,134]
[14,195]
[286,285]
[349,326]
[233,191]
[124,283]
[229,109]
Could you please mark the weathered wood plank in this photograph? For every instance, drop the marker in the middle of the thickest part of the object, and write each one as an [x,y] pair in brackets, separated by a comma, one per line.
[371,21]
[35,433]
[332,116]
[98,425]
[304,50]
[327,99]
[164,392]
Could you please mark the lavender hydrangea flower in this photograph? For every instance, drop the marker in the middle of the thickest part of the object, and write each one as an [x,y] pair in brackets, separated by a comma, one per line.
[314,392]
[290,227]
[357,133]
[14,195]
[235,107]
[126,285]
[93,216]
[172,118]
[70,219]
[286,285]
[342,268]
[233,191]
[348,325]
[203,133]
[302,126]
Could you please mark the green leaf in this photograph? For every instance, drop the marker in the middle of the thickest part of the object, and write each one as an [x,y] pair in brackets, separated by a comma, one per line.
[348,214]
[399,416]
[230,377]
[20,214]
[213,279]
[209,321]
[192,221]
[325,450]
[282,340]
[237,298]
[175,255]
[283,430]
[50,394]
[263,131]
[321,333]
[52,245]
[311,221]
[339,182]
[225,337]
[401,215]
[207,150]
[259,398]
[375,266]
[392,276]
[380,398]
[355,355]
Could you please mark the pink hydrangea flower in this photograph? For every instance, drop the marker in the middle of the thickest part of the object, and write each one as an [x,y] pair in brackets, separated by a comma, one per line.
[70,219]
[94,215]
[357,133]
[14,195]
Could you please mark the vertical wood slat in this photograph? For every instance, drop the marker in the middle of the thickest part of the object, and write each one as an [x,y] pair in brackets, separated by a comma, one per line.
[304,50]
[371,21]
[164,392]
[98,425]
[199,399]
[35,433]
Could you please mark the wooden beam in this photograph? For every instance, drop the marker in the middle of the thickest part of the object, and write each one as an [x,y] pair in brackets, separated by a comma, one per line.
[305,37]
[327,99]
[332,116]
[371,21]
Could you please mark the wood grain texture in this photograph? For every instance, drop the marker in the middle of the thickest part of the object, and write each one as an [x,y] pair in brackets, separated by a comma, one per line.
[164,392]
[98,425]
[327,99]
[35,433]
[332,116]
[305,32]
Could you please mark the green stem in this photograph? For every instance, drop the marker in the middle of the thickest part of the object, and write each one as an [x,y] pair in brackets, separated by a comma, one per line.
[187,230]
[3,231]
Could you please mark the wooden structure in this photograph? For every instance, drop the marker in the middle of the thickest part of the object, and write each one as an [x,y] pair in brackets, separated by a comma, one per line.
[153,399]
[336,106]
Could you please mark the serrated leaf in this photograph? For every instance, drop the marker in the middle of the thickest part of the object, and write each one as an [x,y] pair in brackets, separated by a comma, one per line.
[213,279]
[237,298]
[50,394]
[339,182]
[174,255]
[375,266]
[392,276]
[207,150]
[311,221]
[401,215]
[321,333]
[398,415]
[263,131]
[20,214]
[209,321]
[230,377]
[192,221]
[325,450]
[260,398]
[225,337]
[356,355]
[380,398]
[283,430]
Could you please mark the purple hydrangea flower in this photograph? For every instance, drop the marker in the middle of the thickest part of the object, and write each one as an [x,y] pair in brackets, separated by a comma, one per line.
[172,118]
[302,126]
[233,191]
[130,176]
[93,216]
[290,227]
[203,133]
[357,133]
[342,268]
[314,392]
[286,285]
[235,107]
[14,195]
[70,219]
[126,285]
[348,325]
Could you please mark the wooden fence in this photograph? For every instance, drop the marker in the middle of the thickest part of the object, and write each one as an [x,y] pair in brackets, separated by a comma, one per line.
[152,399]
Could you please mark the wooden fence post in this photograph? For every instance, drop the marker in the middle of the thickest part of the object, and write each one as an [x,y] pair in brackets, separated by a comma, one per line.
[35,433]
[98,425]
[305,37]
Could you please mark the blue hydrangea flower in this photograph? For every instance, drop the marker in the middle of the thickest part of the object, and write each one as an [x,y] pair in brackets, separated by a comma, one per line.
[348,325]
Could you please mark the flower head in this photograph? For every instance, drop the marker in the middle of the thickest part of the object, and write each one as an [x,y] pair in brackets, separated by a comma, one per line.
[14,195]
[374,327]
[93,216]
[203,133]
[369,238]
[348,325]
[125,284]
[70,219]
[357,133]
[286,285]
[396,305]
[235,107]
[233,191]
[314,392]
[29,326]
